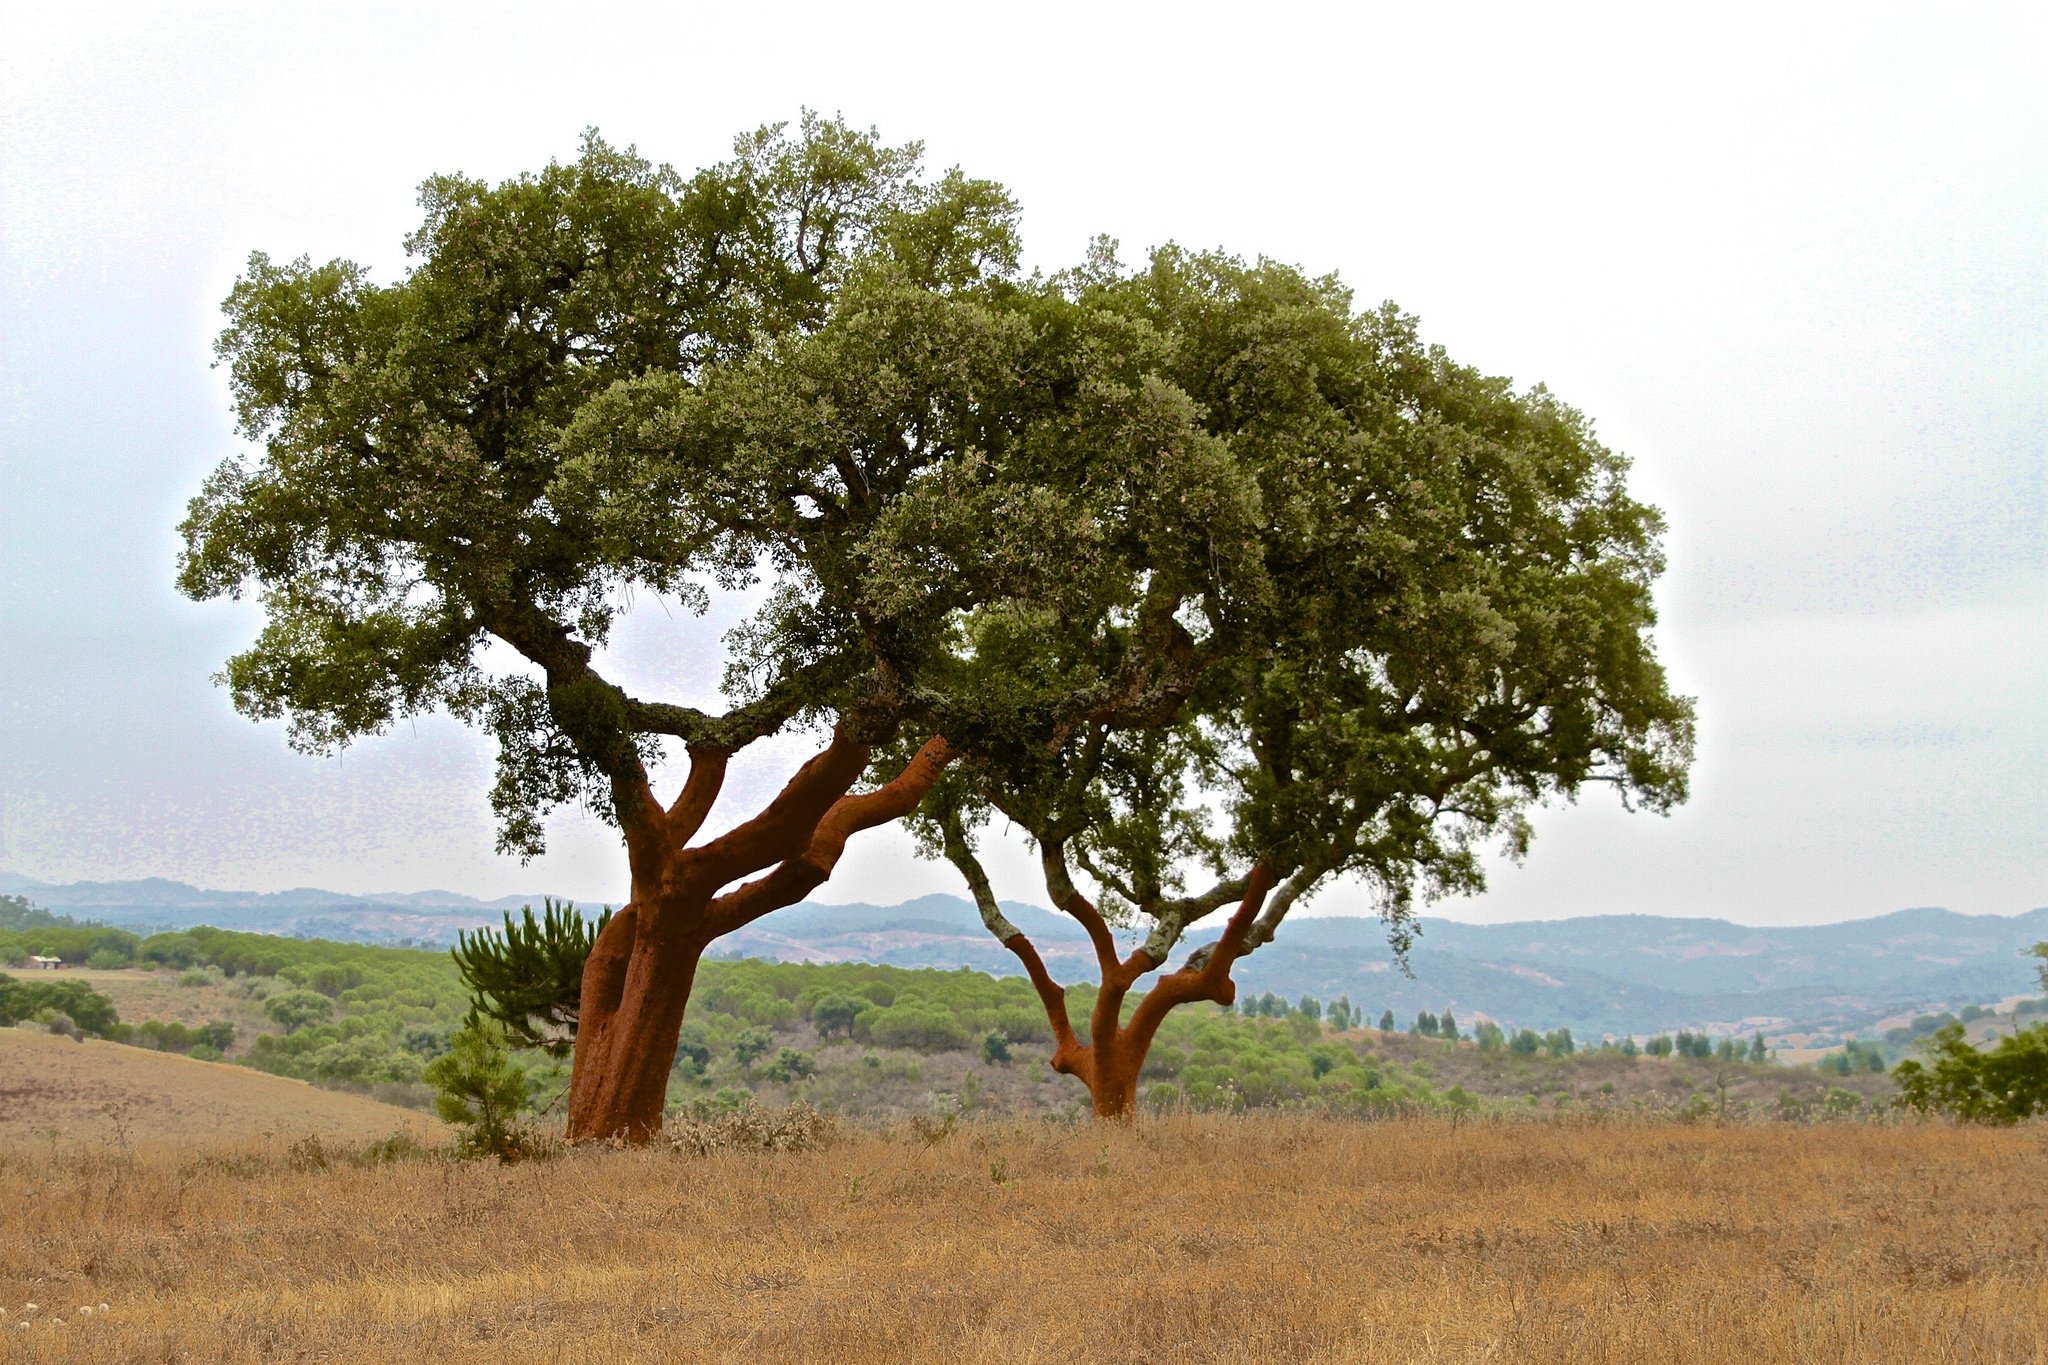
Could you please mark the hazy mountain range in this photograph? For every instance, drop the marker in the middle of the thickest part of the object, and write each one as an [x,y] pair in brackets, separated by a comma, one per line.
[1598,974]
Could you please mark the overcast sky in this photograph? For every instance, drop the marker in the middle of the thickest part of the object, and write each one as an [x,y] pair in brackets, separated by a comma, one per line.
[1792,260]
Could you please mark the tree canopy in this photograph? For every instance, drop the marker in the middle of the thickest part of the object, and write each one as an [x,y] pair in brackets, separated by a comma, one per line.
[1405,601]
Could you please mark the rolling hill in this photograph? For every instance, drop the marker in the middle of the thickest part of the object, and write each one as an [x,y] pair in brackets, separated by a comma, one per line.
[1596,974]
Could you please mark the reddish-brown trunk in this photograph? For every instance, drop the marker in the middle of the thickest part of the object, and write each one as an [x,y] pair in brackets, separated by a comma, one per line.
[635,988]
[1112,1060]
[1113,1080]
[637,979]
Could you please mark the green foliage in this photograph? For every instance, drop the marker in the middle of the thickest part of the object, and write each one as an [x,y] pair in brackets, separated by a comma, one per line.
[530,977]
[169,1036]
[1373,605]
[296,1009]
[917,1024]
[78,943]
[995,1048]
[752,1045]
[809,369]
[2003,1084]
[1525,1043]
[1489,1036]
[1387,1021]
[835,1013]
[1854,1057]
[90,1011]
[477,1088]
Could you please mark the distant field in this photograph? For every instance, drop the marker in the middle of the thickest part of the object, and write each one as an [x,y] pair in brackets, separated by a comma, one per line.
[104,1091]
[140,995]
[1267,1238]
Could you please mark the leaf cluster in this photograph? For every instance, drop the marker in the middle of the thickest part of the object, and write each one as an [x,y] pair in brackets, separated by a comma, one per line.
[528,980]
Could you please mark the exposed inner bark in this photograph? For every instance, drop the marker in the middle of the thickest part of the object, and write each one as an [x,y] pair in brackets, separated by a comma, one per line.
[1110,1061]
[637,980]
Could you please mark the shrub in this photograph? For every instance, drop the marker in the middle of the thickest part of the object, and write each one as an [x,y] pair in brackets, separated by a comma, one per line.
[2003,1085]
[835,1013]
[995,1048]
[751,1045]
[82,1005]
[297,1009]
[752,1127]
[790,1065]
[915,1024]
[478,1089]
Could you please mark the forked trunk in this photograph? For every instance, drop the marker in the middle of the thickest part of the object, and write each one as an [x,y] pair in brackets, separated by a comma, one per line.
[1113,1081]
[635,988]
[636,981]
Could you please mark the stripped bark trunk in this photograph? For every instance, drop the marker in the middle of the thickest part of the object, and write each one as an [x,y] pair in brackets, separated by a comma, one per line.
[1112,1060]
[637,979]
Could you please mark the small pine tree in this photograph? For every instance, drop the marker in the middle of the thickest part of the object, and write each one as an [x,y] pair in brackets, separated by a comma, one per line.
[479,1090]
[1341,1017]
[995,1048]
[1447,1027]
[530,978]
[1757,1051]
[1387,1022]
[1309,1007]
[1425,1024]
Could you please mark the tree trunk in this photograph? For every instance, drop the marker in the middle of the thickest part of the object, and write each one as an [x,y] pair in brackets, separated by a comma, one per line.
[635,989]
[1113,1079]
[637,979]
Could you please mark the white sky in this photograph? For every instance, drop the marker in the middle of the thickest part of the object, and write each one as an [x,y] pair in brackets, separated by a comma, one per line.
[1793,261]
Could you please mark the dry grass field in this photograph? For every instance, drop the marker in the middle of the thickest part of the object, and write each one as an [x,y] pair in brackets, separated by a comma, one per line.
[1256,1239]
[55,1089]
[138,995]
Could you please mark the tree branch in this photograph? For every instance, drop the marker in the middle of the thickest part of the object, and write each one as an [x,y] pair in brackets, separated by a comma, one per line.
[700,791]
[785,828]
[798,876]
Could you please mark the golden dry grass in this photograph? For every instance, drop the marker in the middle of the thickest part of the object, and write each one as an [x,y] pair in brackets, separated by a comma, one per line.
[1258,1239]
[52,1087]
[138,995]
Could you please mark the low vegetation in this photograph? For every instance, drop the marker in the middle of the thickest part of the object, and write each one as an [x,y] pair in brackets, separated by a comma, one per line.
[1263,1238]
[890,1044]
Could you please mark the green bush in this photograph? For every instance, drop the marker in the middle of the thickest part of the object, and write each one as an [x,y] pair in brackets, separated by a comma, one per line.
[917,1025]
[477,1088]
[297,1009]
[2003,1085]
[85,1007]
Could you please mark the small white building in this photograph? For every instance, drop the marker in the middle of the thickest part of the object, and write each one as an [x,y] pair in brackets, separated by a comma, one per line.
[48,964]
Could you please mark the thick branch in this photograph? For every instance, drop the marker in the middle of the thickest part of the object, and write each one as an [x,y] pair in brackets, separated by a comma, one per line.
[700,791]
[1173,918]
[797,877]
[1069,1056]
[1204,976]
[786,827]
[960,853]
[1059,884]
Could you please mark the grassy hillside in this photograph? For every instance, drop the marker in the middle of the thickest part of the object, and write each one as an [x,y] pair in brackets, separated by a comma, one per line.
[888,1042]
[1205,1238]
[57,1089]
